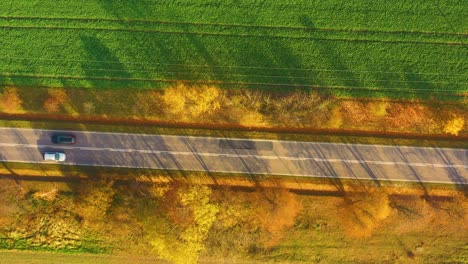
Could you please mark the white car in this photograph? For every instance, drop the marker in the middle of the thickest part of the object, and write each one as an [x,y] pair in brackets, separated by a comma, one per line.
[55,156]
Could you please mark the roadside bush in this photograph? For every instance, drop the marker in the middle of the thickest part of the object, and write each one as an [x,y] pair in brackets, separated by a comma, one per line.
[9,193]
[94,200]
[411,117]
[184,244]
[56,98]
[362,212]
[355,113]
[454,126]
[10,101]
[47,224]
[378,108]
[190,102]
[275,211]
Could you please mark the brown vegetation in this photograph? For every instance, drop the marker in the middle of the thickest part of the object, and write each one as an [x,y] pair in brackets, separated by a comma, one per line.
[94,200]
[9,192]
[276,211]
[10,101]
[56,98]
[183,223]
[362,212]
[208,104]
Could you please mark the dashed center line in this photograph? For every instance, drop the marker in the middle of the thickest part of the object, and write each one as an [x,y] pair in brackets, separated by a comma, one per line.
[264,157]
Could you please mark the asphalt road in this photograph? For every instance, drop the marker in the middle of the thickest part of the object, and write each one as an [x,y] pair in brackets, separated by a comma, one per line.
[292,158]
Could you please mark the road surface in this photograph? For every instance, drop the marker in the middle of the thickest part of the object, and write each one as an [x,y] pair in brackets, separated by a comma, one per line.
[293,158]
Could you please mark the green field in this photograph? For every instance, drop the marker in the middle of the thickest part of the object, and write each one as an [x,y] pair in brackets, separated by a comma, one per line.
[357,48]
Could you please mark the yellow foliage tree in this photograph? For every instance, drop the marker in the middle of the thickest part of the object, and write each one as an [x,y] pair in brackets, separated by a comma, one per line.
[94,200]
[336,118]
[252,119]
[455,125]
[191,101]
[186,247]
[10,100]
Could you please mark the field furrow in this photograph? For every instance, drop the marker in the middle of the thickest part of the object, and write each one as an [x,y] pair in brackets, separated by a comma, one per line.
[414,46]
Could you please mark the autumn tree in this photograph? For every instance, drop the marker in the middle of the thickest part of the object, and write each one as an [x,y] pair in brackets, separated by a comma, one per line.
[378,108]
[275,210]
[411,117]
[245,108]
[10,101]
[185,246]
[336,117]
[361,212]
[191,102]
[9,192]
[56,98]
[46,220]
[247,220]
[294,108]
[94,200]
[454,126]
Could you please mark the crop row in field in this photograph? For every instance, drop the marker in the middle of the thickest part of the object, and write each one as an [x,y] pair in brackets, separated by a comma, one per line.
[418,15]
[145,44]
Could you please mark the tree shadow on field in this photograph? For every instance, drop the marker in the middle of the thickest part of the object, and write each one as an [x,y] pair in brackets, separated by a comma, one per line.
[212,71]
[406,83]
[274,63]
[419,87]
[29,99]
[340,73]
[153,55]
[102,63]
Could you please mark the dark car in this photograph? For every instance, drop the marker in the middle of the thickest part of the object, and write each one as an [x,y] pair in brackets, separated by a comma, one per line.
[63,139]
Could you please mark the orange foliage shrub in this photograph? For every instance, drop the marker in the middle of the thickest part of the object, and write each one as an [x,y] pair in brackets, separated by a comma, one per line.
[361,213]
[275,210]
[378,108]
[57,97]
[354,113]
[10,101]
[416,213]
[148,104]
[244,108]
[410,117]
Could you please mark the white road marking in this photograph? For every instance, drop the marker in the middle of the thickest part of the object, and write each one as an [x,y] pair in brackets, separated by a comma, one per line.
[232,172]
[264,157]
[218,138]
